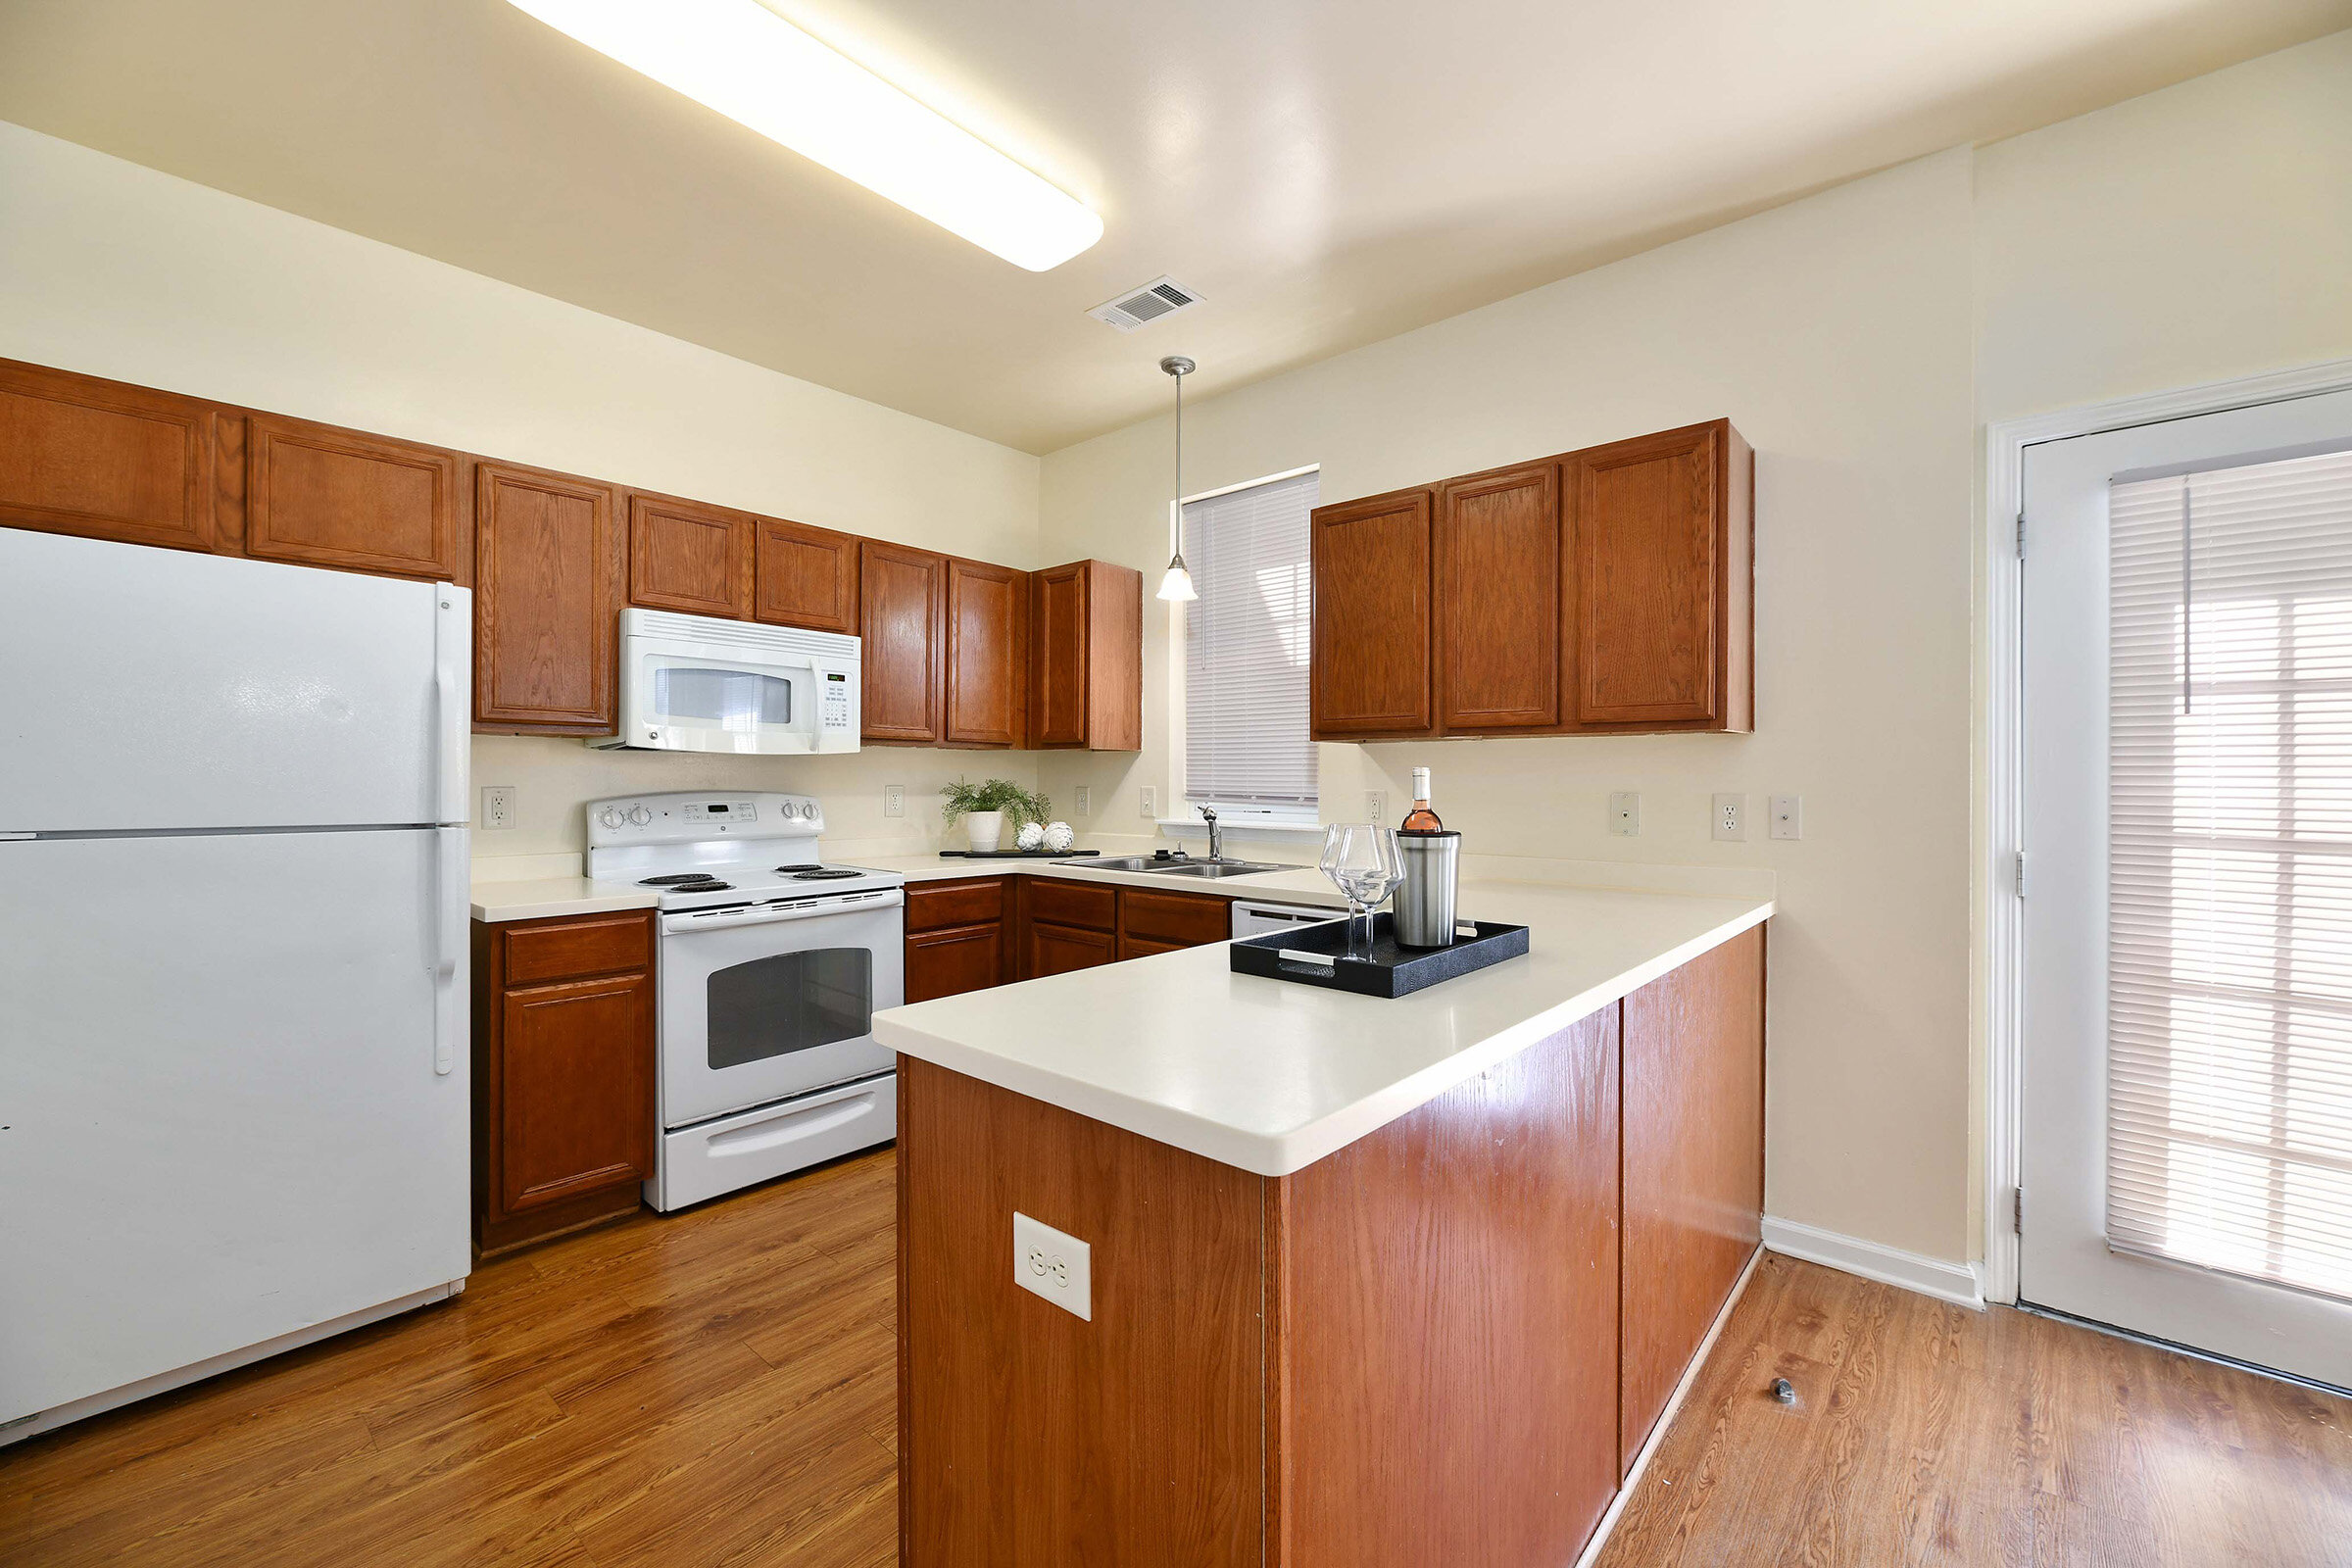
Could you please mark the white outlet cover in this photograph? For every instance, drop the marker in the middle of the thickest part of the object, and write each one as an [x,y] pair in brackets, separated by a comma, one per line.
[1376,805]
[893,800]
[1730,817]
[1625,813]
[1086,800]
[498,807]
[1788,816]
[1057,1267]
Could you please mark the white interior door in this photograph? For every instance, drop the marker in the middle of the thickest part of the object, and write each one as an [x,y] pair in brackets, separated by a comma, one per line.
[218,1079]
[2186,1110]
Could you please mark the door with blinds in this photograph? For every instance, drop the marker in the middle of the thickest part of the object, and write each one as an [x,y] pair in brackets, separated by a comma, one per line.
[2186,884]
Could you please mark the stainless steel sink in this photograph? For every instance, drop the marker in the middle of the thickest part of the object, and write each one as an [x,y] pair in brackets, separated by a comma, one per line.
[1215,868]
[1110,863]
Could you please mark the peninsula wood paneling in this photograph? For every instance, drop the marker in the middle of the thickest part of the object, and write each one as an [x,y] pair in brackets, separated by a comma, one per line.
[1498,599]
[104,460]
[1443,1324]
[547,568]
[987,655]
[1027,1435]
[689,558]
[318,496]
[903,595]
[804,576]
[1370,674]
[1693,1165]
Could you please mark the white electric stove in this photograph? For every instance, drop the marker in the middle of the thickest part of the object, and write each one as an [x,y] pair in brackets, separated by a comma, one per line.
[771,965]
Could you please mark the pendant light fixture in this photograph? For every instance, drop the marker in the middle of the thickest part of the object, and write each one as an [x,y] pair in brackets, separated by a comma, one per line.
[1178,583]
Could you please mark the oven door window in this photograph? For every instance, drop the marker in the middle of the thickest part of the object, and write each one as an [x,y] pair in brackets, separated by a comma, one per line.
[789,1001]
[738,701]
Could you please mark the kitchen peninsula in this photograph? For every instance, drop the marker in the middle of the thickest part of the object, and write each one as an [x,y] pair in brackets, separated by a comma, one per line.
[1361,1282]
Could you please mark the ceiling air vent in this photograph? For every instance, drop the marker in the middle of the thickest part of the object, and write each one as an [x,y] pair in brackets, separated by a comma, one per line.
[1162,296]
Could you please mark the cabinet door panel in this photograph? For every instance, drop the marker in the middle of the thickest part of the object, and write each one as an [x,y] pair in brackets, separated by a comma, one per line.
[577,1095]
[933,906]
[322,497]
[1645,537]
[1060,949]
[689,558]
[902,600]
[1498,600]
[1057,663]
[1371,655]
[949,963]
[95,457]
[987,661]
[1693,1165]
[1092,907]
[804,576]
[1184,919]
[547,601]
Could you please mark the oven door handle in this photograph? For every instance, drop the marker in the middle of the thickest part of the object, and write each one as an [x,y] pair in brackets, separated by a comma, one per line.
[763,915]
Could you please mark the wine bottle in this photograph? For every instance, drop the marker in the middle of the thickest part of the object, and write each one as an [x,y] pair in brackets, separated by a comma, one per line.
[1421,819]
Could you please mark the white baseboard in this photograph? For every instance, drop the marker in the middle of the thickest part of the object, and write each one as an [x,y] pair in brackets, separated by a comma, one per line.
[1946,1281]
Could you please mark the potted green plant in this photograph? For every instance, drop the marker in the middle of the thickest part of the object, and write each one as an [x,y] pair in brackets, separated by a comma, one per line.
[984,806]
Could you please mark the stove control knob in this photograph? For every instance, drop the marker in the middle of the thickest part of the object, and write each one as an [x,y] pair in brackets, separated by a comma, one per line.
[640,815]
[793,809]
[609,817]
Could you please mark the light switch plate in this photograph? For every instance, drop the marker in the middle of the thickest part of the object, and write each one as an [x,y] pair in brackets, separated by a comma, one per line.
[1788,816]
[1625,813]
[1729,817]
[1048,1263]
[1086,800]
[1150,802]
[498,807]
[893,800]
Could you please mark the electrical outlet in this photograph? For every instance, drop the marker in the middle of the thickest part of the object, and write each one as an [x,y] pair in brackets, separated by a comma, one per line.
[893,800]
[1150,801]
[1086,800]
[498,807]
[1788,816]
[1625,813]
[1376,806]
[1731,818]
[1058,1267]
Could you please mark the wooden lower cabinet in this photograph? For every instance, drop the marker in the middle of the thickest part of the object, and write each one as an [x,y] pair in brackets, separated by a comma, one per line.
[563,1072]
[949,963]
[1049,949]
[971,933]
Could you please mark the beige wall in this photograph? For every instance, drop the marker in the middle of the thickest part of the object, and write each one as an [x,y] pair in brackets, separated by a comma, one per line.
[1836,334]
[116,270]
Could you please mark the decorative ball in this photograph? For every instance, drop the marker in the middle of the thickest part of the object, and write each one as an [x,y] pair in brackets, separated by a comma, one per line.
[1060,837]
[1030,836]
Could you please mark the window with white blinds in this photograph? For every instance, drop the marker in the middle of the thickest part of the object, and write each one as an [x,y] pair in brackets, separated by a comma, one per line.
[2229,1017]
[1246,642]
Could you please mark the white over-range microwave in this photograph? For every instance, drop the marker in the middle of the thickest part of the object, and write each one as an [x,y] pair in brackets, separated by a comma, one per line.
[694,683]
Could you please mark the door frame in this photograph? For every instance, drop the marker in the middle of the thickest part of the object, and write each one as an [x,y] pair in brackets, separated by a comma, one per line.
[2000,675]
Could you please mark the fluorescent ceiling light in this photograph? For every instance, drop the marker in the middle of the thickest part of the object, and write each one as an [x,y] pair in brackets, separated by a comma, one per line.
[752,65]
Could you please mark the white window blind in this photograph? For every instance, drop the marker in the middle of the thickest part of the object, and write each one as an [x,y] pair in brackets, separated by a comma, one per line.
[2230,1017]
[1245,645]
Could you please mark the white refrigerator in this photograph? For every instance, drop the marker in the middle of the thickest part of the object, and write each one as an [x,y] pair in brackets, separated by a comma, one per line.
[234,1109]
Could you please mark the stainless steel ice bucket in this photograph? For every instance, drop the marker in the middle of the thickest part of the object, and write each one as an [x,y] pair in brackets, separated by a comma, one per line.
[1423,904]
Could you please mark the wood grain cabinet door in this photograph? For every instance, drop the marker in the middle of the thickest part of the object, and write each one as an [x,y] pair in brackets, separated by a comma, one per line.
[686,557]
[1647,576]
[576,1101]
[804,577]
[317,495]
[546,602]
[988,665]
[903,608]
[1371,652]
[949,963]
[1057,663]
[106,461]
[1498,595]
[1048,949]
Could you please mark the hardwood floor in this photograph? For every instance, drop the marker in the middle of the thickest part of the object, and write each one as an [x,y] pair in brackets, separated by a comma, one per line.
[716,1388]
[1927,1434]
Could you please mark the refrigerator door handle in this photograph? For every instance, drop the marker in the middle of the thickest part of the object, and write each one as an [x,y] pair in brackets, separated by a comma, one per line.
[452,700]
[452,873]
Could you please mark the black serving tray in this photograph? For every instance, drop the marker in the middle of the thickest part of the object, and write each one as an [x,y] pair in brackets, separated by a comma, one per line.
[1391,972]
[1014,855]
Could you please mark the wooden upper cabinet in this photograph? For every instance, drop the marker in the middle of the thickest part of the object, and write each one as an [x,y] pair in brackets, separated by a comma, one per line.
[1371,657]
[804,577]
[548,565]
[988,654]
[690,557]
[1661,589]
[106,461]
[902,609]
[1085,657]
[318,496]
[1498,598]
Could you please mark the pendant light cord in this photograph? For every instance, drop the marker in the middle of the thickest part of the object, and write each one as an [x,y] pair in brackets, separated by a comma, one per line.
[1176,526]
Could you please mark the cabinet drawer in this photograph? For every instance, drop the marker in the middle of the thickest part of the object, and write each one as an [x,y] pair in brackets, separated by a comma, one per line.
[1091,909]
[566,949]
[1184,919]
[936,906]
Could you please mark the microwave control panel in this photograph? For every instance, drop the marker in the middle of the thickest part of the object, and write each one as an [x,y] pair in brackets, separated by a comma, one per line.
[835,711]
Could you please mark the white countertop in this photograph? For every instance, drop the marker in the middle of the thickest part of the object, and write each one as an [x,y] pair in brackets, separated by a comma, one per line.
[538,897]
[1270,1076]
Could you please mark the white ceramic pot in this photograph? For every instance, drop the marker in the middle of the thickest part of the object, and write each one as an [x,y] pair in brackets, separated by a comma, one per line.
[985,829]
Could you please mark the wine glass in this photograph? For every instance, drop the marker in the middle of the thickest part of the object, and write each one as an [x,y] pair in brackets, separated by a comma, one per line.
[1360,859]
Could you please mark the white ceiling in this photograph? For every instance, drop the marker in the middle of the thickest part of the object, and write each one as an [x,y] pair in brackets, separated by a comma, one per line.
[1324,175]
